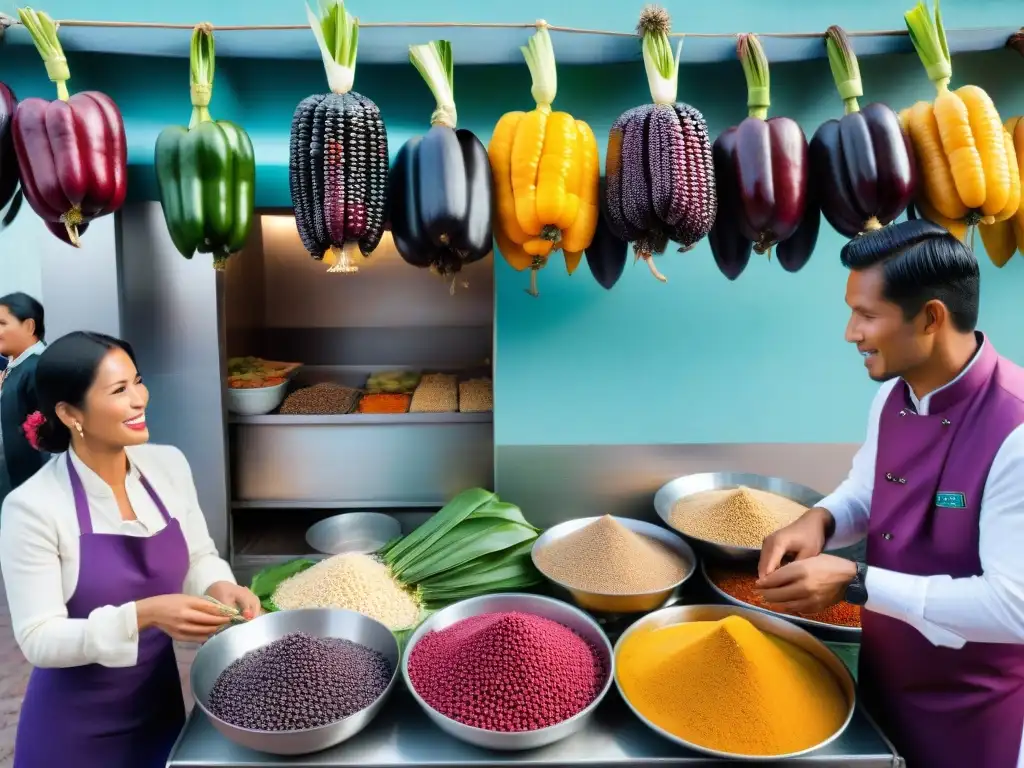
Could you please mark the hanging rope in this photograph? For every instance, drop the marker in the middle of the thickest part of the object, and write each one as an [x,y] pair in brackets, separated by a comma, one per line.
[8,21]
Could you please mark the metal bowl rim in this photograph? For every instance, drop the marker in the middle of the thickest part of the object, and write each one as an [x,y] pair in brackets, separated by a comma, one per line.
[788,617]
[851,704]
[649,526]
[319,728]
[357,526]
[711,542]
[424,628]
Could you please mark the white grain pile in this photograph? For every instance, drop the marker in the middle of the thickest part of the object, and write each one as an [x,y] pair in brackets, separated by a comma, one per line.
[741,517]
[352,581]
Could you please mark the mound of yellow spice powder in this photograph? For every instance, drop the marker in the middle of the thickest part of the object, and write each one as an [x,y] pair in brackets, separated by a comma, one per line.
[725,685]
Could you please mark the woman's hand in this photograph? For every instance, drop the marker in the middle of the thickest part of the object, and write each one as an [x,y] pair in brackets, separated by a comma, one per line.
[185,618]
[237,597]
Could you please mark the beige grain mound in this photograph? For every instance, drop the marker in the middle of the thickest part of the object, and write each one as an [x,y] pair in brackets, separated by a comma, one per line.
[741,517]
[608,558]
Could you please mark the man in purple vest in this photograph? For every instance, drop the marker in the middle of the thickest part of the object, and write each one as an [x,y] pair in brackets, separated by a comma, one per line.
[937,490]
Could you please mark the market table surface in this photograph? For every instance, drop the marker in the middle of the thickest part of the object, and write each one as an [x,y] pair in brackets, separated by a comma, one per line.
[402,735]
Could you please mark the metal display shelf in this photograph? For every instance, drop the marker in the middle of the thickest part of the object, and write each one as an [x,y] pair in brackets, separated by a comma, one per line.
[403,736]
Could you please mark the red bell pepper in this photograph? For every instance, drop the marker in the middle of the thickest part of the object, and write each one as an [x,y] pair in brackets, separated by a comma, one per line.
[72,151]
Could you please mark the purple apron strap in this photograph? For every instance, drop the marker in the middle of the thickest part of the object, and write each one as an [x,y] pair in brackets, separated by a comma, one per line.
[156,499]
[82,501]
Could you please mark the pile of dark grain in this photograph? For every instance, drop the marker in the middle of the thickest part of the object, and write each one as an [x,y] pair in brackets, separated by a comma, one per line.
[299,682]
[325,399]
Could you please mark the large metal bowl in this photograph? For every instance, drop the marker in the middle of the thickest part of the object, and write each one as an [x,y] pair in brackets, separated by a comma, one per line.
[597,602]
[820,629]
[219,652]
[545,607]
[781,628]
[362,532]
[682,487]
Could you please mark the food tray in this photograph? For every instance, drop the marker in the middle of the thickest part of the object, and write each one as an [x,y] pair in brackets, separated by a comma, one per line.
[849,634]
[682,487]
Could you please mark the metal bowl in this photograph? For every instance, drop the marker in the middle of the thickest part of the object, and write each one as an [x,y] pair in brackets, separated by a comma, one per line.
[682,487]
[221,651]
[362,532]
[781,628]
[545,607]
[598,602]
[820,629]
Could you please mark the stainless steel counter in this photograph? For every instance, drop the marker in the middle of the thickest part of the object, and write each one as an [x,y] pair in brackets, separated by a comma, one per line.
[402,736]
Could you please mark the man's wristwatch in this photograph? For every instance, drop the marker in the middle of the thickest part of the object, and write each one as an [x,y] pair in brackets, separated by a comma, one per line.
[856,590]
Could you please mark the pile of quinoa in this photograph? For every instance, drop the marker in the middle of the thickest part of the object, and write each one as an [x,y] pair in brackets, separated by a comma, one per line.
[352,581]
[506,672]
[608,558]
[740,517]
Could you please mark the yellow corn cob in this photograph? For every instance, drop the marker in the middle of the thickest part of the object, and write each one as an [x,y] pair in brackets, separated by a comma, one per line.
[545,168]
[956,227]
[958,140]
[1013,201]
[1015,128]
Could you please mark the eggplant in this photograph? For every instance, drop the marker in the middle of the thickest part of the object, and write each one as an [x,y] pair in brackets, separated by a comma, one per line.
[768,160]
[440,195]
[794,252]
[862,164]
[59,231]
[606,254]
[728,245]
[10,193]
[440,187]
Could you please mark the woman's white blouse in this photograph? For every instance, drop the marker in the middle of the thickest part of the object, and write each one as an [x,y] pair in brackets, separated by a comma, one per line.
[39,554]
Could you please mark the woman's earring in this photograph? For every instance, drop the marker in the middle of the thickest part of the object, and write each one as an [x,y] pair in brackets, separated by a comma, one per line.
[78,426]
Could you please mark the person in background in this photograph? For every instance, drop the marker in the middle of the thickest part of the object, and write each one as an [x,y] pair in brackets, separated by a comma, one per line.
[105,555]
[22,330]
[937,489]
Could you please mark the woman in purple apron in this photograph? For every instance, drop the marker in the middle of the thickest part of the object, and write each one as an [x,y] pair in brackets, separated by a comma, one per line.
[937,491]
[97,550]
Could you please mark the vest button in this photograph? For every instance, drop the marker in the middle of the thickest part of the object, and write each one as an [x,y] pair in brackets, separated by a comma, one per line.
[946,422]
[903,413]
[889,476]
[887,536]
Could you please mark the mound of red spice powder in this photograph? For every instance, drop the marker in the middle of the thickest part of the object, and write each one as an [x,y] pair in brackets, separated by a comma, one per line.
[506,672]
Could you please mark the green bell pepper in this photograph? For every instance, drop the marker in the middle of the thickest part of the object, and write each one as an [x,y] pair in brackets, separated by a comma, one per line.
[206,172]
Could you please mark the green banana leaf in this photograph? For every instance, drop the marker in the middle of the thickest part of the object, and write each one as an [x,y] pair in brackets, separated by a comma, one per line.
[450,515]
[265,583]
[482,564]
[478,538]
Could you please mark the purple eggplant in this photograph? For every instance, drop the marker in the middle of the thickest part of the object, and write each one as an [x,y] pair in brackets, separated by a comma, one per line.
[794,252]
[606,254]
[862,164]
[767,158]
[9,177]
[728,245]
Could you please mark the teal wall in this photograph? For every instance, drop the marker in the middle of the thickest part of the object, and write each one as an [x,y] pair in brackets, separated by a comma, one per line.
[697,360]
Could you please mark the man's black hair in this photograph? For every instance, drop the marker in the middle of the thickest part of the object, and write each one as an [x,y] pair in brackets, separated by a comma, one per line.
[921,262]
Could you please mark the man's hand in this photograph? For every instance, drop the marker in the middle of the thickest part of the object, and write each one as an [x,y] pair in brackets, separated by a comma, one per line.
[801,539]
[808,586]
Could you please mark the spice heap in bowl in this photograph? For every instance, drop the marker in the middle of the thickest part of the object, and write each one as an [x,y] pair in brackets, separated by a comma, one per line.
[299,682]
[739,584]
[611,565]
[509,672]
[732,522]
[736,684]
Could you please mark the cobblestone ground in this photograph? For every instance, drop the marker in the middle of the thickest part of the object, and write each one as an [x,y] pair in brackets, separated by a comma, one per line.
[14,672]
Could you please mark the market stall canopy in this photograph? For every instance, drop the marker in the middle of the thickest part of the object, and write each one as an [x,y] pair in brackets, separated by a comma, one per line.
[388,43]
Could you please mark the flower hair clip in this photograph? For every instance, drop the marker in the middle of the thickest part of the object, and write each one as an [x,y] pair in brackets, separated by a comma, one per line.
[31,428]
